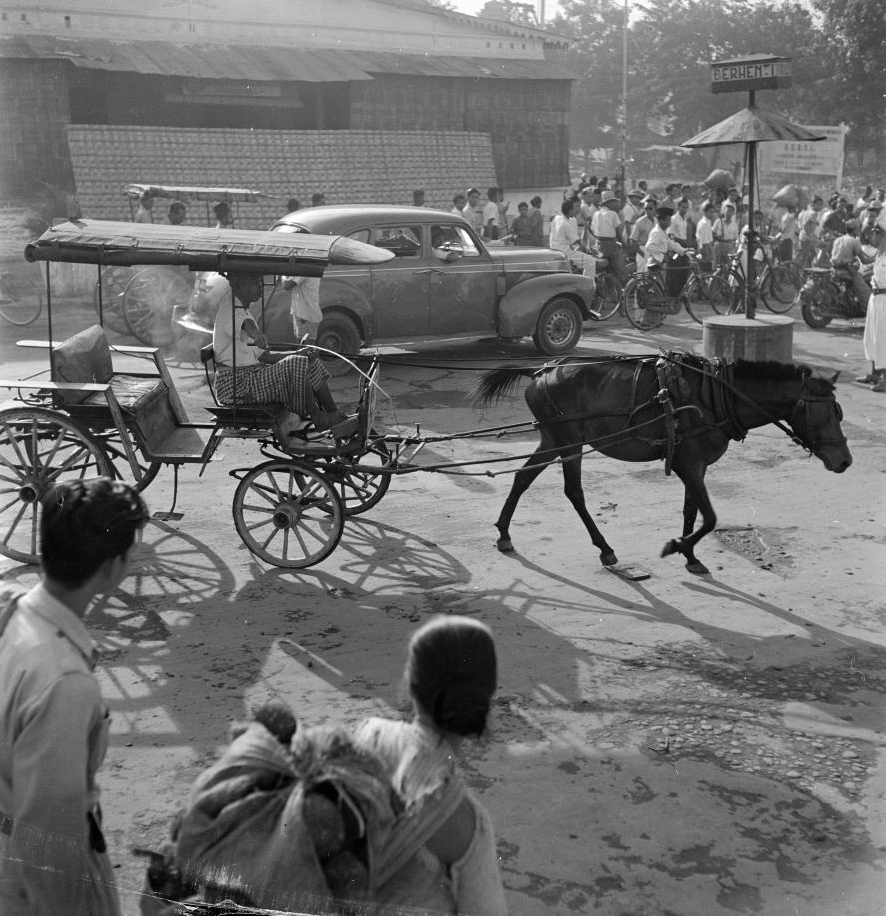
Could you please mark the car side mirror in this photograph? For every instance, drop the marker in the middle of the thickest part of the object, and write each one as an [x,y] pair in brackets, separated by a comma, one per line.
[449,252]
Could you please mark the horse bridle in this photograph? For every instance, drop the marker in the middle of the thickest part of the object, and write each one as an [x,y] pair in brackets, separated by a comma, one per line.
[803,405]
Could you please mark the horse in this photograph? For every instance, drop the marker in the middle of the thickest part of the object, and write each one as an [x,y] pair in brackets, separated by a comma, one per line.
[677,407]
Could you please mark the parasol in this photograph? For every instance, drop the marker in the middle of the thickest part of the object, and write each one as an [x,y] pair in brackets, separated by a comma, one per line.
[750,126]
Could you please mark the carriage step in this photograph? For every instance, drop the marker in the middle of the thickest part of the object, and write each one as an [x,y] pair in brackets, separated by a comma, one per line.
[628,571]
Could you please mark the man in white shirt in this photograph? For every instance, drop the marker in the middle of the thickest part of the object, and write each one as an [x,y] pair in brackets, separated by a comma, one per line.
[564,236]
[591,199]
[606,225]
[659,244]
[459,201]
[631,211]
[705,234]
[491,219]
[678,225]
[144,214]
[640,232]
[473,212]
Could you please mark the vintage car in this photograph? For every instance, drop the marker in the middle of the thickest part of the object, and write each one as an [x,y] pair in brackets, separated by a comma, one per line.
[443,282]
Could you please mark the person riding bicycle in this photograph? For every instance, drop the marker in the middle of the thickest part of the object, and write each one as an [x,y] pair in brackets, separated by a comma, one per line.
[659,243]
[846,249]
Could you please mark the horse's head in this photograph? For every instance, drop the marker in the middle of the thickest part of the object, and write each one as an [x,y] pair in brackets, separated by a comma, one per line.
[816,421]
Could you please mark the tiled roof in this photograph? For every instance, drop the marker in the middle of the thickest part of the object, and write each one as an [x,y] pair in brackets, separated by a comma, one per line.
[349,166]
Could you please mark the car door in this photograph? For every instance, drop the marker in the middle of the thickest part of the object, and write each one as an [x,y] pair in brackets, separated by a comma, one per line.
[400,286]
[462,289]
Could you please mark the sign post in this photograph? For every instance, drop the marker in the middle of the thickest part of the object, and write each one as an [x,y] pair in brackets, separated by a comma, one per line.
[749,74]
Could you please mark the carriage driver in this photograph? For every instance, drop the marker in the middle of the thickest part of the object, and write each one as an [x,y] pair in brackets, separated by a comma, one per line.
[658,243]
[297,381]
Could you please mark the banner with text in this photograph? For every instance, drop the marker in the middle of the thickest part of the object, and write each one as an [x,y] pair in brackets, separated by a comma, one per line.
[819,157]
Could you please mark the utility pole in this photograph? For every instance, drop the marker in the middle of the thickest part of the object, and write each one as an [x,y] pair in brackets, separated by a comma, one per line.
[624,95]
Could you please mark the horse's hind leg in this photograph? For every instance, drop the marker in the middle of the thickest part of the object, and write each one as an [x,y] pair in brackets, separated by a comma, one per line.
[572,465]
[534,466]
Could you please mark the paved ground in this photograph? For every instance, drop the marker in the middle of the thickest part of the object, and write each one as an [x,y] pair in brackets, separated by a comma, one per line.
[681,745]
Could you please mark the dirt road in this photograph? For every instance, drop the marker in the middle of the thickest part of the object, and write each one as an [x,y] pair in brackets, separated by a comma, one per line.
[681,745]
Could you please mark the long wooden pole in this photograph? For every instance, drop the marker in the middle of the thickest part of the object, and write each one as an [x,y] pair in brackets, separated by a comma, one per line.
[750,289]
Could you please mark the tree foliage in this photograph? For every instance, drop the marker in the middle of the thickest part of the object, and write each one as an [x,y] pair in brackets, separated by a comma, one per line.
[837,54]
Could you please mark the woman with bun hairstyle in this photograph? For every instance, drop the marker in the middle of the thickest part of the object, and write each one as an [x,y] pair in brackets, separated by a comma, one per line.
[442,855]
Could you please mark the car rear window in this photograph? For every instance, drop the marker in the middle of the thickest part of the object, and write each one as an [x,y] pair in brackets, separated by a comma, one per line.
[404,241]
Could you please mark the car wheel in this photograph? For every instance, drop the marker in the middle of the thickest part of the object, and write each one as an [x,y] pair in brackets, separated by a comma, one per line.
[339,333]
[559,327]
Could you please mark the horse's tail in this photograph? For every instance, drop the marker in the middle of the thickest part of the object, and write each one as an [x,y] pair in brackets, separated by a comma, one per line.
[497,383]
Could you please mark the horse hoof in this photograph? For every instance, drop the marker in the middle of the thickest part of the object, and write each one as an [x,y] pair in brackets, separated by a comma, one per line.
[505,545]
[609,559]
[697,568]
[671,547]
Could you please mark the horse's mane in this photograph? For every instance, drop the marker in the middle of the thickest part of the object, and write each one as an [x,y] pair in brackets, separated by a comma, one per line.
[770,370]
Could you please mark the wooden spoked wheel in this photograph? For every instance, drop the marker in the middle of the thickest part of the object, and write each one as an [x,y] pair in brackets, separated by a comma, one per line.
[39,449]
[288,514]
[356,484]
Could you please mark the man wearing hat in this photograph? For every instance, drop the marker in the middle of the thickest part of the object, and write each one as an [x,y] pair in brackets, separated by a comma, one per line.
[606,226]
[874,339]
[659,243]
[846,249]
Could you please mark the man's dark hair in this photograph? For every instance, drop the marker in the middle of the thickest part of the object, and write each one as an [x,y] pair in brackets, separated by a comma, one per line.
[567,206]
[317,198]
[536,201]
[85,522]
[293,204]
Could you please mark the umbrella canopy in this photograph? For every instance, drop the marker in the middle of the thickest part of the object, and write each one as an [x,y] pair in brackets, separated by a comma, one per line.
[751,125]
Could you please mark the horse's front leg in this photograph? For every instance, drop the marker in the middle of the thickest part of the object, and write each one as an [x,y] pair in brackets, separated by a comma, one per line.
[695,500]
[572,465]
[534,466]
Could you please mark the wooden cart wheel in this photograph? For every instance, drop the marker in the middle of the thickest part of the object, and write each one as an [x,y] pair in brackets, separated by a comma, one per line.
[148,303]
[114,280]
[358,488]
[147,470]
[288,514]
[38,449]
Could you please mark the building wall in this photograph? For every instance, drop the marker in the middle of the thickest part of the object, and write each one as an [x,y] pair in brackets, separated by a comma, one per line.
[33,116]
[528,120]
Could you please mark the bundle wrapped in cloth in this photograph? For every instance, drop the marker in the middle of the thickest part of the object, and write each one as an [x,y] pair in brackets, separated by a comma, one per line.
[287,828]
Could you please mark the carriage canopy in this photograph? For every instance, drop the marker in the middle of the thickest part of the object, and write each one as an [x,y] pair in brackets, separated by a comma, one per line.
[172,192]
[103,242]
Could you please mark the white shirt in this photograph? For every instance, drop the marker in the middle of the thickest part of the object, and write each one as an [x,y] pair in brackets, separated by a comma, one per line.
[305,300]
[658,245]
[605,224]
[224,342]
[678,226]
[491,213]
[704,232]
[475,216]
[563,233]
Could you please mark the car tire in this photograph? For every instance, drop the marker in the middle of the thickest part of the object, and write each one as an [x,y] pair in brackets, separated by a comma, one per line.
[339,333]
[559,327]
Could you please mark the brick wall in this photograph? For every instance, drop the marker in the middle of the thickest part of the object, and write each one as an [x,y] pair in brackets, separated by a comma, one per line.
[349,166]
[527,120]
[33,116]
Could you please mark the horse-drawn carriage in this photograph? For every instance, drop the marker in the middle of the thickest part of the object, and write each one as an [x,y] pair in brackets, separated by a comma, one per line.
[89,418]
[139,300]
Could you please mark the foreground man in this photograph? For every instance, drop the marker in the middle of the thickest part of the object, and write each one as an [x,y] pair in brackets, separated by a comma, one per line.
[53,723]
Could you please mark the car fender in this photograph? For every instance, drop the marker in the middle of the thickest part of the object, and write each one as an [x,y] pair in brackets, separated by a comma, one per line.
[339,294]
[519,308]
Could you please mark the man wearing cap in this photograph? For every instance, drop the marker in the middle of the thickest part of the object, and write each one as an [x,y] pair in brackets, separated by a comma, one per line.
[874,339]
[641,230]
[659,243]
[606,225]
[846,249]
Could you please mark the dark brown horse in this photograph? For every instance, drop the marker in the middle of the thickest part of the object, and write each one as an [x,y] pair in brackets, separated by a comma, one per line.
[679,408]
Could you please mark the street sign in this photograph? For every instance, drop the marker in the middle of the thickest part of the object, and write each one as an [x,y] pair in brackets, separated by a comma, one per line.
[748,74]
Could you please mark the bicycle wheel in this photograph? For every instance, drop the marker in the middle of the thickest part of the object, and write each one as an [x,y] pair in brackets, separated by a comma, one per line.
[114,280]
[288,514]
[696,298]
[148,303]
[21,300]
[39,448]
[640,292]
[777,289]
[607,296]
[719,294]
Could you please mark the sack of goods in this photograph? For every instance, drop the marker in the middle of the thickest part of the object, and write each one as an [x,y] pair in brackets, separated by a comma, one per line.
[720,180]
[790,196]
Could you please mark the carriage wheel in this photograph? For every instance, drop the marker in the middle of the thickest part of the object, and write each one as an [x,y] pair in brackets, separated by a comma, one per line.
[359,489]
[39,449]
[640,292]
[288,514]
[114,280]
[148,303]
[147,470]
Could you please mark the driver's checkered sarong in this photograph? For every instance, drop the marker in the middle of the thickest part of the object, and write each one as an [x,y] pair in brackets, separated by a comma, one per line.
[285,382]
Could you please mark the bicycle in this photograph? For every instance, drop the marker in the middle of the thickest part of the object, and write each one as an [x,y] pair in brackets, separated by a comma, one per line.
[607,288]
[776,286]
[21,299]
[647,299]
